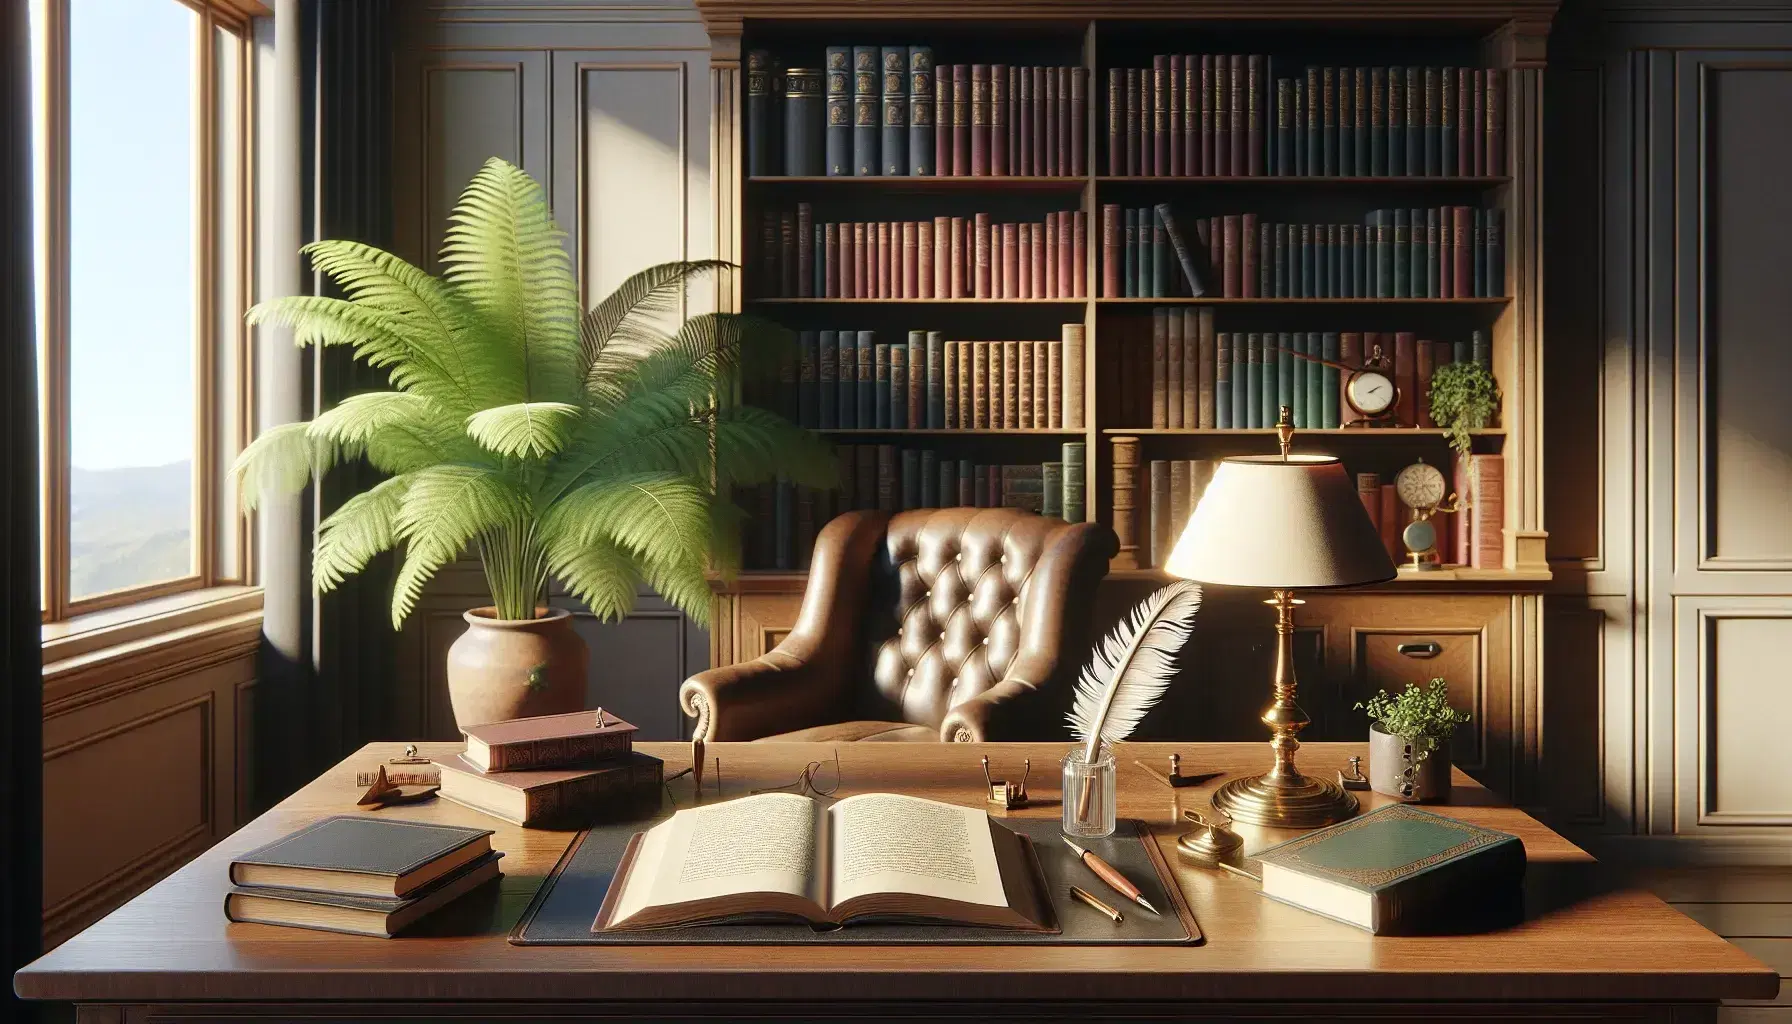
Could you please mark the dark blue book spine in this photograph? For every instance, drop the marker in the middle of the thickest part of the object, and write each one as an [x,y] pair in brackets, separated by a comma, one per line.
[1222,381]
[1346,263]
[1280,260]
[1396,121]
[866,99]
[838,103]
[948,489]
[1142,287]
[827,379]
[911,479]
[1328,121]
[1308,255]
[1359,245]
[1384,254]
[880,393]
[1314,382]
[1129,275]
[803,117]
[1494,273]
[894,148]
[1297,372]
[808,381]
[936,380]
[760,134]
[1359,98]
[1414,119]
[1402,256]
[898,389]
[1378,121]
[1269,381]
[1434,132]
[1298,133]
[1328,387]
[867,397]
[1284,137]
[1253,379]
[921,85]
[1346,124]
[930,479]
[846,381]
[1416,234]
[1315,124]
[1431,229]
[1285,373]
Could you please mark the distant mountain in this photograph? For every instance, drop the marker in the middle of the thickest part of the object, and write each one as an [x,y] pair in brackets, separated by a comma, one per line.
[129,526]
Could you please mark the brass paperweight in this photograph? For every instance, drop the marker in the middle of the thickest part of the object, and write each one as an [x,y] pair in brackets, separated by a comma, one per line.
[1213,843]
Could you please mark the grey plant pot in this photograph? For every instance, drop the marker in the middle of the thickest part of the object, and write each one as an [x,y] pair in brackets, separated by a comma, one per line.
[1386,763]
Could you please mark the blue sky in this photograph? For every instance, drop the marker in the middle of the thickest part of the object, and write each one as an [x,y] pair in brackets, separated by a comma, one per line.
[131,216]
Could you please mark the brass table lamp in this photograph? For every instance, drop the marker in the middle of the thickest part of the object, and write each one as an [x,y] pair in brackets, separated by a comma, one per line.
[1285,523]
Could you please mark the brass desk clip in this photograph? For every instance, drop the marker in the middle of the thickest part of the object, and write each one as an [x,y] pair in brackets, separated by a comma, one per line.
[1007,795]
[1354,779]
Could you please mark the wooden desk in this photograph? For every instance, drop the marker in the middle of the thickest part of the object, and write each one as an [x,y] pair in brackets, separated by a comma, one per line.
[169,954]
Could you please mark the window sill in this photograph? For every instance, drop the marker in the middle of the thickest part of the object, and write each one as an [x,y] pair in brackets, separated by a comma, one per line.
[102,634]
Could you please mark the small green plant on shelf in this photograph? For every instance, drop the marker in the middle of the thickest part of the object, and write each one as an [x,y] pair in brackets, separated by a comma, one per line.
[1422,717]
[1464,398]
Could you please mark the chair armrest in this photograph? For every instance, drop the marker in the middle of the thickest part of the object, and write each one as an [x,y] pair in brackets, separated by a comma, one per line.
[770,694]
[1004,712]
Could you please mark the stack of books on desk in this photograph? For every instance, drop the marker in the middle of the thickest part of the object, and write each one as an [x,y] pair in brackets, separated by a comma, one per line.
[361,875]
[554,771]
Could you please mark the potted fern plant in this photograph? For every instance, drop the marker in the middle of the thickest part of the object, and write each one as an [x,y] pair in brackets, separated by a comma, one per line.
[598,449]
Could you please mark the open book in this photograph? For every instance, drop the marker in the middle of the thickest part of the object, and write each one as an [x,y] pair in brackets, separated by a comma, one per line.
[878,855]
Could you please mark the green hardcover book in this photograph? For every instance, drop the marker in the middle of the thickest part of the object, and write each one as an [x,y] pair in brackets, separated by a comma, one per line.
[1286,375]
[1359,146]
[1266,271]
[1051,498]
[1300,369]
[1305,258]
[1299,132]
[1384,254]
[1402,256]
[846,380]
[1280,260]
[1416,253]
[1395,121]
[881,396]
[1414,119]
[1347,262]
[1023,487]
[1253,380]
[1269,382]
[1434,135]
[1321,258]
[1315,124]
[1346,103]
[1241,384]
[1447,123]
[1311,396]
[867,377]
[1328,121]
[1431,228]
[1378,121]
[1328,387]
[1399,870]
[1360,254]
[1072,503]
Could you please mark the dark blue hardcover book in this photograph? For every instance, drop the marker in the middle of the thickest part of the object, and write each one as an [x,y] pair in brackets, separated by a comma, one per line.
[867,98]
[1280,260]
[846,382]
[921,86]
[827,379]
[867,400]
[1253,380]
[1328,388]
[1434,132]
[762,151]
[1394,120]
[1315,381]
[1322,252]
[930,479]
[898,390]
[1308,254]
[911,479]
[1447,121]
[1160,256]
[1402,255]
[1346,263]
[1416,233]
[1296,371]
[1328,121]
[1346,124]
[1270,383]
[1143,286]
[1493,277]
[808,381]
[838,107]
[1241,381]
[1284,137]
[1285,374]
[803,121]
[1378,121]
[1315,123]
[1299,132]
[1222,381]
[936,380]
[1129,271]
[880,393]
[1384,254]
[1359,145]
[1431,243]
[1415,122]
[893,150]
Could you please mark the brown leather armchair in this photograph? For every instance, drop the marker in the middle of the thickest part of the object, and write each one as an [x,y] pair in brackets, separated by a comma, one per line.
[964,624]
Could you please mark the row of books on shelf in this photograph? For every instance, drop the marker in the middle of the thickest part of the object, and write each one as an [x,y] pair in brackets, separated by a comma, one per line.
[941,258]
[786,517]
[1446,252]
[887,111]
[1202,115]
[849,380]
[1192,377]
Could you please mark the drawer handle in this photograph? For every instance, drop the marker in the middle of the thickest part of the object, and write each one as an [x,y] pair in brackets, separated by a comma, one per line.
[1428,649]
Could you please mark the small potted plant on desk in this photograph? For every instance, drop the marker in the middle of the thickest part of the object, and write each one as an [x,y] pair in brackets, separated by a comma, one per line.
[1409,741]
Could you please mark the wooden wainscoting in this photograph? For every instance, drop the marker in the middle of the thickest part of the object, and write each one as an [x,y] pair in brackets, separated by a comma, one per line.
[146,756]
[1751,907]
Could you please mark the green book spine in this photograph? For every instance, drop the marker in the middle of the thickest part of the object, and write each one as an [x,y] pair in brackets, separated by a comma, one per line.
[1416,253]
[1073,459]
[1129,275]
[1360,250]
[1328,389]
[1414,119]
[1384,254]
[1052,481]
[1308,252]
[1478,350]
[1346,124]
[1448,115]
[1315,123]
[1431,289]
[1222,381]
[1253,380]
[1402,253]
[1493,277]
[936,380]
[1313,384]
[1359,98]
[1284,162]
[1461,352]
[1270,382]
[1298,133]
[1279,263]
[1160,255]
[1286,376]
[1396,120]
[1434,135]
[867,377]
[1378,121]
[881,395]
[1241,382]
[1346,263]
[846,380]
[1266,271]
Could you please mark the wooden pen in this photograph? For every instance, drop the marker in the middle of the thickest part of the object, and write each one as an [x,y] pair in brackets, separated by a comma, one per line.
[1089,898]
[1111,875]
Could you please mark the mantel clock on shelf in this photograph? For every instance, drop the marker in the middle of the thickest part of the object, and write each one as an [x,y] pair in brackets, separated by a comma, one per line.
[1368,389]
[1421,488]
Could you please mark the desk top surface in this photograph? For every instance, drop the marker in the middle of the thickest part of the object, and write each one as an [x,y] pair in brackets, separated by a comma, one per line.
[1580,939]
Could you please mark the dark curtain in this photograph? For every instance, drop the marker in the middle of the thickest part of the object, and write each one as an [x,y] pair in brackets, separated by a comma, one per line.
[21,675]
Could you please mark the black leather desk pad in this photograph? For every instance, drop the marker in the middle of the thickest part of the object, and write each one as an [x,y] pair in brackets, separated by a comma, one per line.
[566,905]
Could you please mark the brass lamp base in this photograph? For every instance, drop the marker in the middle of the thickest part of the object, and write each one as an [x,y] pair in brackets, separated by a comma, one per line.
[1298,802]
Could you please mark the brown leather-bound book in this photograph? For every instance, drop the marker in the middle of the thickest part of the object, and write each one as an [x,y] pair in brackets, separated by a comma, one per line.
[1207,355]
[956,260]
[862,236]
[1079,121]
[1160,114]
[917,382]
[1012,116]
[1036,365]
[1177,99]
[1172,365]
[1110,251]
[1053,103]
[562,798]
[1035,85]
[381,918]
[1254,112]
[1489,550]
[1204,101]
[1126,520]
[1026,235]
[1191,115]
[1462,256]
[1160,382]
[1191,365]
[942,119]
[1079,254]
[1214,234]
[1048,256]
[1248,242]
[1160,516]
[573,740]
[1061,112]
[1011,384]
[980,119]
[951,386]
[1496,121]
[967,385]
[805,251]
[1236,119]
[1054,384]
[1024,394]
[1116,121]
[1131,142]
[1022,95]
[1179,470]
[787,254]
[1222,114]
[982,245]
[1066,256]
[1391,521]
[888,257]
[980,385]
[1146,148]
[998,119]
[1231,257]
[941,261]
[1368,491]
[961,119]
[1406,410]
[830,261]
[911,260]
[1351,352]
[925,274]
[1010,261]
[1424,363]
[1073,376]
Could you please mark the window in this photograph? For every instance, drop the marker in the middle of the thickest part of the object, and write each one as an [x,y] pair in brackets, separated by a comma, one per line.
[141,143]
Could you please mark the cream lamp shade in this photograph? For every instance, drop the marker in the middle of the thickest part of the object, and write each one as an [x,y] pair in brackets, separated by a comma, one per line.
[1280,522]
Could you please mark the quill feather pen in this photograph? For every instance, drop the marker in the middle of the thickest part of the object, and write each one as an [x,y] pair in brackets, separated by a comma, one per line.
[1130,670]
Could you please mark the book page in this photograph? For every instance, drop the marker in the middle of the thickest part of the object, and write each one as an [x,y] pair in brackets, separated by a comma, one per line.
[754,844]
[886,842]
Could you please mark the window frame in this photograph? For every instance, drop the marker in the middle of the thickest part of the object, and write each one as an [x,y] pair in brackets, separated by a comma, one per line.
[221,543]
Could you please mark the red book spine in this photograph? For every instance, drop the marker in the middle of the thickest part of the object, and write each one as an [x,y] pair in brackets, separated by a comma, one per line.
[1248,228]
[1406,410]
[1054,126]
[924,254]
[1048,256]
[1222,115]
[982,249]
[1023,116]
[1116,121]
[1237,118]
[886,257]
[1232,258]
[1065,253]
[1142,141]
[861,259]
[980,119]
[1424,362]
[1205,101]
[1010,261]
[942,257]
[1446,253]
[830,261]
[1063,109]
[1012,118]
[1176,101]
[911,260]
[1350,353]
[1025,233]
[1489,550]
[1391,520]
[1368,491]
[958,259]
[1079,255]
[1132,122]
[961,120]
[1079,121]
[805,251]
[1255,107]
[1462,257]
[1465,123]
[1110,251]
[1038,74]
[1215,237]
[998,119]
[942,119]
[1476,120]
[1496,121]
[1160,115]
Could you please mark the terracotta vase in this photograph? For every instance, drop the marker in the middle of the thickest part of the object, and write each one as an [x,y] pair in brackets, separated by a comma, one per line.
[499,669]
[1387,763]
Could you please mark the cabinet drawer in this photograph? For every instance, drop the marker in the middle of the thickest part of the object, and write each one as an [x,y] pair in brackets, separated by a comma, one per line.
[1391,660]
